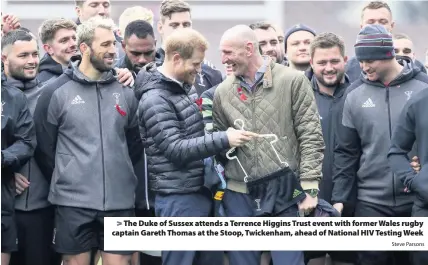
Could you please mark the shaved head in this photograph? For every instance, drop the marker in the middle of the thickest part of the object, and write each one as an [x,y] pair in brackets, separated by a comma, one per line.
[240,35]
[240,49]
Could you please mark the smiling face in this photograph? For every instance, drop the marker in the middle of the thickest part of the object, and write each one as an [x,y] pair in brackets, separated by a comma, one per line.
[103,50]
[329,66]
[21,60]
[63,46]
[269,43]
[92,8]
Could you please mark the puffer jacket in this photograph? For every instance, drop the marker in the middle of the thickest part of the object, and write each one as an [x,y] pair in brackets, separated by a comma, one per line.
[282,104]
[173,135]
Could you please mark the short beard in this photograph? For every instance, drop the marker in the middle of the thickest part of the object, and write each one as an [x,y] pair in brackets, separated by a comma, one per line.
[335,84]
[18,73]
[98,63]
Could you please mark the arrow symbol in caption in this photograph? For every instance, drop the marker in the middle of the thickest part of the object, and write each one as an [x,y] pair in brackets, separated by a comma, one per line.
[119,223]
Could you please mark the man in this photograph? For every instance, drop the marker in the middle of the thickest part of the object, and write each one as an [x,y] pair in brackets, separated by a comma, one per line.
[87,9]
[270,99]
[139,44]
[173,133]
[18,140]
[268,41]
[91,152]
[411,128]
[329,83]
[364,128]
[297,42]
[59,41]
[375,12]
[403,46]
[132,14]
[34,216]
[175,14]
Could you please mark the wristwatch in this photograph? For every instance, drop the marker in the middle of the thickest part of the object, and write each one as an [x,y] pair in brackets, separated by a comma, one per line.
[312,192]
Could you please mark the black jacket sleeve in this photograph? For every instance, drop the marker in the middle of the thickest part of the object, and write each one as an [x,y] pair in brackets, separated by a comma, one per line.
[347,154]
[402,142]
[46,117]
[133,138]
[16,155]
[162,124]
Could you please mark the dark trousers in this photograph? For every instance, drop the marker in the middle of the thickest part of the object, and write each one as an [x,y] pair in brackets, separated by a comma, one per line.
[35,233]
[240,205]
[186,205]
[366,209]
[419,257]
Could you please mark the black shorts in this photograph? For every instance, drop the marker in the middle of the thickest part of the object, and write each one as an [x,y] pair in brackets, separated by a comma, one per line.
[9,235]
[79,230]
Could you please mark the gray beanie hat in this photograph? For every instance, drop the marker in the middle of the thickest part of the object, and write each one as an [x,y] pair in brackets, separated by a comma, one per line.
[374,42]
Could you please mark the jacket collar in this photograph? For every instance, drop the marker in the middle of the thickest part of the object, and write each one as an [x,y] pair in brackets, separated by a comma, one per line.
[267,77]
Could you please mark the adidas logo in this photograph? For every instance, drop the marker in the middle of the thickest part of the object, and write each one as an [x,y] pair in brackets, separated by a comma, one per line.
[77,100]
[369,104]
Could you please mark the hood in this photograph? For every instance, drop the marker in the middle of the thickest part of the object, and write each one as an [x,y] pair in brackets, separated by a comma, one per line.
[74,73]
[409,71]
[47,63]
[19,84]
[170,84]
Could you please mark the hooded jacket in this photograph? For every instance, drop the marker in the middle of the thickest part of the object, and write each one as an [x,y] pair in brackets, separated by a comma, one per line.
[412,127]
[364,128]
[173,134]
[36,195]
[354,72]
[49,69]
[18,141]
[207,78]
[89,140]
[327,105]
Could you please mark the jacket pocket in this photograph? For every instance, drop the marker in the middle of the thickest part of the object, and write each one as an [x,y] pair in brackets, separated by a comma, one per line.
[64,162]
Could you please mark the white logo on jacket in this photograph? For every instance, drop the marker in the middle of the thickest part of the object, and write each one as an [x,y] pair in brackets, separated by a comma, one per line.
[408,94]
[116,96]
[77,100]
[369,104]
[201,79]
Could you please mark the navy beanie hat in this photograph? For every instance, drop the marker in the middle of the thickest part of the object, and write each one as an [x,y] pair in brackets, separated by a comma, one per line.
[295,28]
[374,42]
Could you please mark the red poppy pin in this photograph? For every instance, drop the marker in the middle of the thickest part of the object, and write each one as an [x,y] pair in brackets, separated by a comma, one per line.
[199,103]
[241,94]
[118,108]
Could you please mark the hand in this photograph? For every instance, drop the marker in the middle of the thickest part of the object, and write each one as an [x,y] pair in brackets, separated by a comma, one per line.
[238,138]
[21,183]
[9,23]
[415,164]
[308,204]
[124,76]
[338,206]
